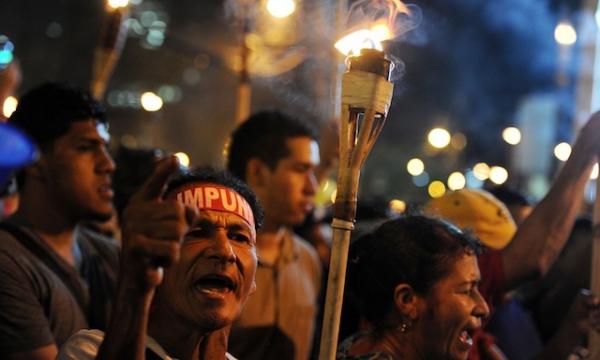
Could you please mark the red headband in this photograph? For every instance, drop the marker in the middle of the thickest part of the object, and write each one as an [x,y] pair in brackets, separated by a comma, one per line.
[214,197]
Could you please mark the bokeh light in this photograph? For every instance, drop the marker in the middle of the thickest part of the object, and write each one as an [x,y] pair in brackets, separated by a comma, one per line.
[436,189]
[397,206]
[151,102]
[458,141]
[481,171]
[415,167]
[562,151]
[184,159]
[456,181]
[498,175]
[421,179]
[9,106]
[511,135]
[565,34]
[439,138]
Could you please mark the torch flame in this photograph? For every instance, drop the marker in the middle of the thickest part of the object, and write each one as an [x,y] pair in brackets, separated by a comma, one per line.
[115,4]
[374,21]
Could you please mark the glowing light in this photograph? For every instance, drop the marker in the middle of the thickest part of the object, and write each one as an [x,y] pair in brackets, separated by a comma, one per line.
[354,42]
[439,138]
[281,8]
[458,141]
[512,135]
[594,174]
[184,159]
[129,141]
[498,175]
[562,151]
[472,181]
[565,34]
[481,171]
[421,180]
[10,105]
[415,167]
[436,189]
[323,195]
[115,4]
[333,196]
[381,31]
[456,181]
[397,206]
[151,102]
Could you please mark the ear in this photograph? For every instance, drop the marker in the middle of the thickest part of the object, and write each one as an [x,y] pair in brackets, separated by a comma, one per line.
[406,301]
[37,169]
[257,173]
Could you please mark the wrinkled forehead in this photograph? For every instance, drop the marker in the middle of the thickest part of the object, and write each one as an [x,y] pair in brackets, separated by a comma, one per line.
[214,197]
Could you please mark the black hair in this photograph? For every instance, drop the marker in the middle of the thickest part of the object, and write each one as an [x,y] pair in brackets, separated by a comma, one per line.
[264,135]
[412,249]
[218,176]
[47,111]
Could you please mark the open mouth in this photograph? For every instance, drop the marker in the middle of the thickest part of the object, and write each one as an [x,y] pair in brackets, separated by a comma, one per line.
[214,284]
[465,337]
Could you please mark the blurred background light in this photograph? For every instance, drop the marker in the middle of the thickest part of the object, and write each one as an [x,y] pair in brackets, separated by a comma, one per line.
[439,138]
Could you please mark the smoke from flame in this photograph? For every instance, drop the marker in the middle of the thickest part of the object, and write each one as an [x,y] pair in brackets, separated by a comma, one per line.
[372,21]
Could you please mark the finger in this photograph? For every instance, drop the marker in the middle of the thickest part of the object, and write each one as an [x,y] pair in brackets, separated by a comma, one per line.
[154,187]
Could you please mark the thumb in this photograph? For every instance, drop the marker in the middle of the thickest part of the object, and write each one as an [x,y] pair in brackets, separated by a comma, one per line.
[155,186]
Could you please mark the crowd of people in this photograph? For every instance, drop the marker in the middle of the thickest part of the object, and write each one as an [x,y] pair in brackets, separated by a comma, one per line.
[147,259]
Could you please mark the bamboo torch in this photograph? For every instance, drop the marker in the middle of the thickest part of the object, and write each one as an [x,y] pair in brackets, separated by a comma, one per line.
[366,98]
[113,33]
[593,337]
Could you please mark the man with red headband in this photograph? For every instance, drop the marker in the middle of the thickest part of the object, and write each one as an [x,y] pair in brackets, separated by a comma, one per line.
[185,312]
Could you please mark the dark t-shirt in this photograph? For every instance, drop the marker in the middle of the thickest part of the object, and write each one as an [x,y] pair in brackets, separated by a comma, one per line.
[36,307]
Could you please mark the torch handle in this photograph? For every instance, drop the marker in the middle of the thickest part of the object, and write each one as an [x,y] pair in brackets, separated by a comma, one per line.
[335,294]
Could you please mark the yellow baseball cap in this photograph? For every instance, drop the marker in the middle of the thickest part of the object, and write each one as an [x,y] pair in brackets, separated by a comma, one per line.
[477,210]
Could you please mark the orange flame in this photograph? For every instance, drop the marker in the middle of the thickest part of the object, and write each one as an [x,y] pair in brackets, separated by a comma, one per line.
[373,21]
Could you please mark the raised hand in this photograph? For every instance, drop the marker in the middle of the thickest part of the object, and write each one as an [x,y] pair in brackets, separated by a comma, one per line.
[152,230]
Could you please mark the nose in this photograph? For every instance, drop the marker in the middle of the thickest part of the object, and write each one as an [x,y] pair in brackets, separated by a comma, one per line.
[311,185]
[481,309]
[106,164]
[221,249]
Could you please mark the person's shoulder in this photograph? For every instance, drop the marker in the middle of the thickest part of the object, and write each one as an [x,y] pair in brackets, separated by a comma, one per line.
[303,245]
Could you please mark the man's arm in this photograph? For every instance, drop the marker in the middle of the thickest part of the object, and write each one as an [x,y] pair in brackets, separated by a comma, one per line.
[152,231]
[543,234]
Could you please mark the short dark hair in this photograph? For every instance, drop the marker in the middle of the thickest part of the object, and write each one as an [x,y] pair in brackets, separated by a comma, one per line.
[218,176]
[47,111]
[264,135]
[412,249]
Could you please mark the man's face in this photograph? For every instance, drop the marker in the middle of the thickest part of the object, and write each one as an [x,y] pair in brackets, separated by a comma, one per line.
[291,186]
[452,311]
[76,172]
[208,287]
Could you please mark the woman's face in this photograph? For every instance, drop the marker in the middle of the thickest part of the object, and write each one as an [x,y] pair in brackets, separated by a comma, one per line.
[451,312]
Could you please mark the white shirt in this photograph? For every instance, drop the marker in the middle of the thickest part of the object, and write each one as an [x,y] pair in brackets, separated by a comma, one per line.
[84,345]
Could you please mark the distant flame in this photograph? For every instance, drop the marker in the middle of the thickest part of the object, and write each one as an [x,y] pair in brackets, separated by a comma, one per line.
[374,21]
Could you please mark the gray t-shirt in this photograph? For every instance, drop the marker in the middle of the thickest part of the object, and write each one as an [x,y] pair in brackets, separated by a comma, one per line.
[37,308]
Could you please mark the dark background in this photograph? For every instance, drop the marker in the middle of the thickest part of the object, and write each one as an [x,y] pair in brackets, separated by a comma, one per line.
[467,67]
